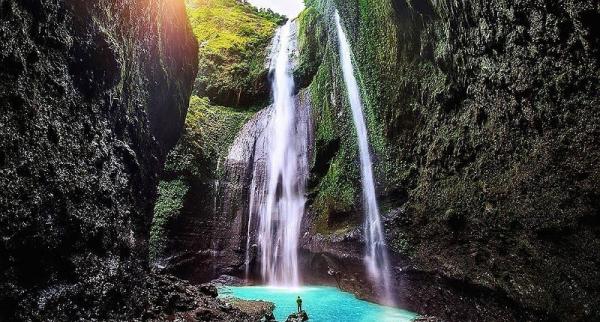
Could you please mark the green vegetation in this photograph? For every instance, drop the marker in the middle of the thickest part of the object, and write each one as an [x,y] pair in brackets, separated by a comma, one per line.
[337,195]
[209,132]
[233,37]
[387,78]
[312,39]
[168,206]
[338,187]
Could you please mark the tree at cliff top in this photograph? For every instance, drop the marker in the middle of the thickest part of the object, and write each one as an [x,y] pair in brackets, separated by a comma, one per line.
[232,36]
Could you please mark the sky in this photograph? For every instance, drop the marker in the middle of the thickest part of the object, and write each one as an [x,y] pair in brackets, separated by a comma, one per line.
[290,8]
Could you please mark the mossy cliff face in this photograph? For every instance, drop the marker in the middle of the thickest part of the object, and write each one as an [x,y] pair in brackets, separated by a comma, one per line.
[189,190]
[93,96]
[483,126]
[191,214]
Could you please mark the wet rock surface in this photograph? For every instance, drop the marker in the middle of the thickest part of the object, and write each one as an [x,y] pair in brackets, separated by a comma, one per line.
[256,310]
[93,95]
[297,317]
[173,299]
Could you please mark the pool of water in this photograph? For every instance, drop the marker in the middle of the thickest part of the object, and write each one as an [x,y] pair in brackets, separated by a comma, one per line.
[322,303]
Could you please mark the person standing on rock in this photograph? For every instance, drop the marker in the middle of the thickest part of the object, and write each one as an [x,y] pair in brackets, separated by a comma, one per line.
[299,302]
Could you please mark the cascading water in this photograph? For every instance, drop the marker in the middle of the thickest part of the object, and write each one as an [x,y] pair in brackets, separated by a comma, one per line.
[376,257]
[281,208]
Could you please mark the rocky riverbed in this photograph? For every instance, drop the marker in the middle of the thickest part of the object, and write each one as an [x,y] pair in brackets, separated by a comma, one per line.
[175,299]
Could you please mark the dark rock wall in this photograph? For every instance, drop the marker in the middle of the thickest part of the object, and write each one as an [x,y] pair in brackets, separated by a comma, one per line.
[93,94]
[483,119]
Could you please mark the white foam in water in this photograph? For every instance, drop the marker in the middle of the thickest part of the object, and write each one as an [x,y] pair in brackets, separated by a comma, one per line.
[376,257]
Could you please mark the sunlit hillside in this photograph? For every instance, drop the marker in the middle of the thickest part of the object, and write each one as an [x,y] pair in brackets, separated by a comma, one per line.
[233,37]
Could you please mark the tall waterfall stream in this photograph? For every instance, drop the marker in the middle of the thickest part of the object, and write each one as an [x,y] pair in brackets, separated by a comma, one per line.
[376,257]
[278,202]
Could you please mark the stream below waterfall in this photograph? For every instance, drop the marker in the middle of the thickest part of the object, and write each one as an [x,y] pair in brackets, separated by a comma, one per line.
[322,303]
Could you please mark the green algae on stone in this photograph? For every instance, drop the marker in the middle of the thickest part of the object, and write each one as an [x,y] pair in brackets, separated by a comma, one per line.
[208,134]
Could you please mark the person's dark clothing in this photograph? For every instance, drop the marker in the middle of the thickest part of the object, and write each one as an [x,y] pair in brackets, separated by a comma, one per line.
[299,302]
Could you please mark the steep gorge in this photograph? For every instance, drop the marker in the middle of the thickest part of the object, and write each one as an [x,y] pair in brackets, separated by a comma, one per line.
[483,126]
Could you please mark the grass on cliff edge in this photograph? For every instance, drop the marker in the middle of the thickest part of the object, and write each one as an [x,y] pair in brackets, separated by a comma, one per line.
[233,37]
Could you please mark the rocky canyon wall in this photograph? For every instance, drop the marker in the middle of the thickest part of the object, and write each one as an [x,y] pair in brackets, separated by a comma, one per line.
[483,118]
[93,95]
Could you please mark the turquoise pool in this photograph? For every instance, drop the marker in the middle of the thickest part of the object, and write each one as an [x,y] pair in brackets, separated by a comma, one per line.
[322,303]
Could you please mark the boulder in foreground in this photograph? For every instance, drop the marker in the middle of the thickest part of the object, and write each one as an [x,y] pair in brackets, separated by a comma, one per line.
[298,317]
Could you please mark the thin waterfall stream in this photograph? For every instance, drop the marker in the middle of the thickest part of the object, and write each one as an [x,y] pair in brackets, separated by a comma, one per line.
[376,258]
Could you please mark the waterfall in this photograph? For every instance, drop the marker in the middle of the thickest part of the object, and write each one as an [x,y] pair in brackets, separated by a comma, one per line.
[376,258]
[251,211]
[279,200]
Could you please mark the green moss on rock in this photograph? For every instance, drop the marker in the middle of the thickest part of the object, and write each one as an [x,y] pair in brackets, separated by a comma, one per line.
[312,37]
[337,186]
[209,132]
[171,195]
